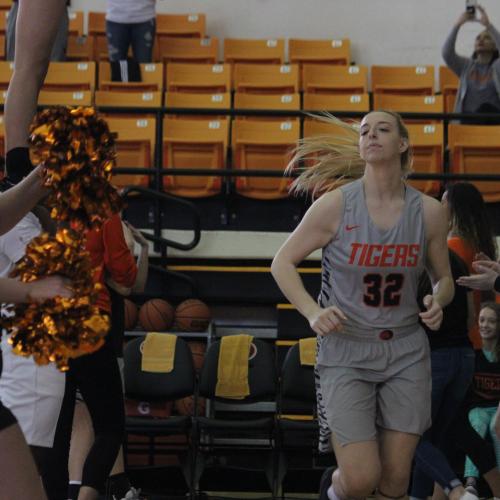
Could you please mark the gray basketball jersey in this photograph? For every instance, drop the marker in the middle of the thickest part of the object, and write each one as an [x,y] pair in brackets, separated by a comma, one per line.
[372,274]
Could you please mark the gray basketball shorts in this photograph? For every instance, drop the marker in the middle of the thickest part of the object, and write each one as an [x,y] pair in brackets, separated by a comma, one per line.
[368,385]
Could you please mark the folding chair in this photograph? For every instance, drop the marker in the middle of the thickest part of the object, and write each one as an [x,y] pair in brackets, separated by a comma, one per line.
[271,51]
[188,100]
[188,50]
[151,386]
[413,80]
[336,102]
[263,145]
[266,78]
[239,429]
[339,79]
[194,143]
[198,78]
[476,149]
[180,25]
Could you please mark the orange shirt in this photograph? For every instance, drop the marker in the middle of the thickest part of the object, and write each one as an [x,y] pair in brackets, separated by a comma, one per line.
[111,257]
[466,253]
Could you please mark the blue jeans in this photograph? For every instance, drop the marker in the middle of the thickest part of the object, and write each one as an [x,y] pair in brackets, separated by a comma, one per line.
[140,36]
[452,371]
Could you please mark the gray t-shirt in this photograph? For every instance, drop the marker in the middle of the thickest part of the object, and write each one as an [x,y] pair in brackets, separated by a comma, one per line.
[130,11]
[481,89]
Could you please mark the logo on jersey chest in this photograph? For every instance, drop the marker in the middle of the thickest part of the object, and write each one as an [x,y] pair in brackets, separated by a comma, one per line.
[375,255]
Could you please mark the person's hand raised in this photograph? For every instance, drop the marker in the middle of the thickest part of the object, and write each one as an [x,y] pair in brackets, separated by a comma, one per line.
[483,17]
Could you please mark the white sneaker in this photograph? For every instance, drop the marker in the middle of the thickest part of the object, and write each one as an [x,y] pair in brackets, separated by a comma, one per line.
[132,494]
[468,496]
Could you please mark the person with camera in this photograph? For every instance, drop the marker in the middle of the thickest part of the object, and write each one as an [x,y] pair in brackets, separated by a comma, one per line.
[479,89]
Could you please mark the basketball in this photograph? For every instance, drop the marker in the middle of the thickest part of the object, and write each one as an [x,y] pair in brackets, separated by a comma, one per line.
[192,315]
[185,406]
[131,314]
[198,351]
[156,315]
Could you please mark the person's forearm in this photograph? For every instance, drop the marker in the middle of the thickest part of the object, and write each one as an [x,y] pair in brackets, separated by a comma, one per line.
[20,199]
[443,291]
[451,58]
[290,283]
[142,270]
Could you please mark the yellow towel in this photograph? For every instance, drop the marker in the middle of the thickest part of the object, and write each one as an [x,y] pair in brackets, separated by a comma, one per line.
[307,348]
[232,372]
[158,352]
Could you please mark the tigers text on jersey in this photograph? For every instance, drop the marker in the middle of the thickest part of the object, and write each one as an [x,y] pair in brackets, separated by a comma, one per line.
[372,274]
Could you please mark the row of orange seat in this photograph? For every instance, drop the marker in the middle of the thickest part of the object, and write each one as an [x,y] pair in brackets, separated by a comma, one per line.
[266,145]
[341,88]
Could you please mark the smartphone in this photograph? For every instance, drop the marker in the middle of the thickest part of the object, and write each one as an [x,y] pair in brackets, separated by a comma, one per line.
[470,6]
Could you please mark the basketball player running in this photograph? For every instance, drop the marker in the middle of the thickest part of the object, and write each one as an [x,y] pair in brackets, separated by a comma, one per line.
[377,235]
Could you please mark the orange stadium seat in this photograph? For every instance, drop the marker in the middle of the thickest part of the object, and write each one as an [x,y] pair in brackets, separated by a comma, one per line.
[413,80]
[75,23]
[151,79]
[128,99]
[263,145]
[2,47]
[3,21]
[448,86]
[271,51]
[266,78]
[337,102]
[80,48]
[5,4]
[409,103]
[327,52]
[2,136]
[188,50]
[194,143]
[475,149]
[267,101]
[188,100]
[198,78]
[66,83]
[428,147]
[6,70]
[186,25]
[314,127]
[339,79]
[97,31]
[135,146]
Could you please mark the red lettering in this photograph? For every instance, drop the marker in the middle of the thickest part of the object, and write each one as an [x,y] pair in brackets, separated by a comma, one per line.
[361,261]
[387,257]
[400,256]
[376,258]
[354,250]
[414,253]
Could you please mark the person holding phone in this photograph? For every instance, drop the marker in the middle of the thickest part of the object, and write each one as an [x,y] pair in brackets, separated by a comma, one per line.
[479,89]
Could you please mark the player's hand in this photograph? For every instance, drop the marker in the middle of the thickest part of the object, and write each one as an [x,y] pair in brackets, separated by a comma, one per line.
[48,288]
[433,317]
[487,272]
[327,320]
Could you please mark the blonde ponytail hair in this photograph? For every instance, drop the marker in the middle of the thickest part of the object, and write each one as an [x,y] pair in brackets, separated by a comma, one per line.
[326,161]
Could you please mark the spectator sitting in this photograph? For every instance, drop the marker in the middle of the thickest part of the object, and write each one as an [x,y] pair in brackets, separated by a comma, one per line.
[479,89]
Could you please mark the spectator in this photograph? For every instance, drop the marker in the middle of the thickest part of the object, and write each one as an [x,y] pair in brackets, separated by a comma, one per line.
[479,90]
[484,395]
[452,365]
[131,23]
[470,232]
[60,43]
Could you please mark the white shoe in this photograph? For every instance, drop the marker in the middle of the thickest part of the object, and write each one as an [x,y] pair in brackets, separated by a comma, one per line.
[132,494]
[468,496]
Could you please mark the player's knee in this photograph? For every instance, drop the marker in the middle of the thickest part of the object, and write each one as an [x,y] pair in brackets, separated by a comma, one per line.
[394,482]
[360,482]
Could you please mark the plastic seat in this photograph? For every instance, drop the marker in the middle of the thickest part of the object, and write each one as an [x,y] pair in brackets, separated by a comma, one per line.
[194,143]
[6,70]
[413,80]
[337,102]
[128,99]
[135,146]
[188,50]
[79,48]
[75,23]
[265,101]
[410,104]
[69,84]
[271,51]
[189,100]
[3,21]
[314,127]
[180,25]
[266,78]
[5,4]
[97,31]
[198,78]
[448,86]
[320,78]
[263,145]
[476,149]
[151,79]
[428,147]
[2,136]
